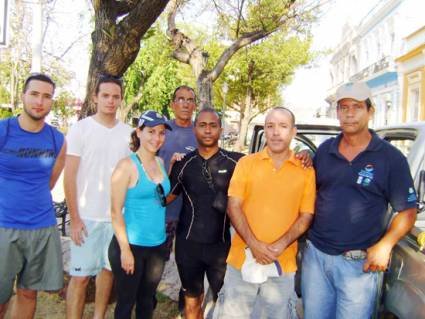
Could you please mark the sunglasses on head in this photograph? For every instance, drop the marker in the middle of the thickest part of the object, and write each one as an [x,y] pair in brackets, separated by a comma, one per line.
[160,192]
[104,77]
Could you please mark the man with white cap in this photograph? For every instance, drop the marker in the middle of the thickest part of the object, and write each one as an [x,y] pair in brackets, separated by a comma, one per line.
[349,244]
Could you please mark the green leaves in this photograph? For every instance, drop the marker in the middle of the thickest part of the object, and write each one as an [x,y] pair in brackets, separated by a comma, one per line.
[151,79]
[263,69]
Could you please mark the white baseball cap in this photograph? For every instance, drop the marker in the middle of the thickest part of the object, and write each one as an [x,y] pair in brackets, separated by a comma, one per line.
[358,91]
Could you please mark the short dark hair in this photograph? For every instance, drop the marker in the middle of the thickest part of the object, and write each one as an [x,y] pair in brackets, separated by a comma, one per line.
[282,108]
[208,110]
[107,78]
[39,77]
[183,87]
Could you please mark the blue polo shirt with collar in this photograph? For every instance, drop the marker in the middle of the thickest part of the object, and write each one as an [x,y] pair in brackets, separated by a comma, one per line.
[353,197]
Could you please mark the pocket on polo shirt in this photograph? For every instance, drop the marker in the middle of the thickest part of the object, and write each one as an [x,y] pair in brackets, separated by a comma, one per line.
[367,180]
[370,188]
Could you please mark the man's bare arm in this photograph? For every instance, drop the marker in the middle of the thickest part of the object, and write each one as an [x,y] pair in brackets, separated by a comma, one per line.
[58,167]
[78,229]
[298,228]
[378,255]
[258,248]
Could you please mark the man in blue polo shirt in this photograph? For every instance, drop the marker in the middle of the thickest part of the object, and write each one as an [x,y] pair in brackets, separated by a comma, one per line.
[349,244]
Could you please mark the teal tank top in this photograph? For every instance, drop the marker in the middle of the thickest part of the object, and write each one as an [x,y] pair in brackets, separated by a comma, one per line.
[143,214]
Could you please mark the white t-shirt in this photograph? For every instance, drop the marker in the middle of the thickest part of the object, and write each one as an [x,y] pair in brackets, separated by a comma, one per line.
[99,148]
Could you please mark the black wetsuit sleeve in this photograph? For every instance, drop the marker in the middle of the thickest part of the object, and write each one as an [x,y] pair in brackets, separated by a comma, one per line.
[175,178]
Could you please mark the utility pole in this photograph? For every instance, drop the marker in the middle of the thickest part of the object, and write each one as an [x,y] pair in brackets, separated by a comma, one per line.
[37,35]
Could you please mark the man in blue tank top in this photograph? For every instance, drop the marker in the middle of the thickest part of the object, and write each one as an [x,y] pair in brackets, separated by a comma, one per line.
[32,157]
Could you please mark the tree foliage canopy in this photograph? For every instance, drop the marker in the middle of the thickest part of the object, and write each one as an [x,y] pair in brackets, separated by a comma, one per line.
[242,24]
[152,78]
[263,69]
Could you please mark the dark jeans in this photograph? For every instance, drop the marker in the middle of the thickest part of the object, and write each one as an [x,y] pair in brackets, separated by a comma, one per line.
[140,287]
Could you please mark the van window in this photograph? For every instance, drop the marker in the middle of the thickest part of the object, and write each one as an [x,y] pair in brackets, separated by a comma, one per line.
[403,144]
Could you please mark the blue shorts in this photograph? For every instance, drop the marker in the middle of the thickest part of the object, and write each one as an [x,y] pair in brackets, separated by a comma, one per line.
[92,256]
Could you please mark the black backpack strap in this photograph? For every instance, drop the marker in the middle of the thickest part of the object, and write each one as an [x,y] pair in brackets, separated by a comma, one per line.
[3,139]
[57,150]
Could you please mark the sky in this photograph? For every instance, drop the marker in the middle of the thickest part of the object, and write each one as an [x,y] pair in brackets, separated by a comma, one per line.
[69,31]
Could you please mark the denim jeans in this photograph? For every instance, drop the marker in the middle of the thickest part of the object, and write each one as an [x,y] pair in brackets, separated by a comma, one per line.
[274,298]
[335,287]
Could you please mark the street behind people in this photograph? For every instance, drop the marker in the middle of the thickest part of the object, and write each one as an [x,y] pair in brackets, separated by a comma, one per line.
[95,145]
[138,250]
[32,156]
[203,236]
[349,244]
[271,203]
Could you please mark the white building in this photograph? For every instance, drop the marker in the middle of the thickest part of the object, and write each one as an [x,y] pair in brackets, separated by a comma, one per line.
[367,52]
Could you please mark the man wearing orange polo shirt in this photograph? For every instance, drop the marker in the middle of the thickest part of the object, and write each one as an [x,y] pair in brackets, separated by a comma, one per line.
[271,203]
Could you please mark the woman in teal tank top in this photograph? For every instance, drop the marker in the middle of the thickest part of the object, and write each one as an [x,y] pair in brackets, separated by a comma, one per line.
[138,251]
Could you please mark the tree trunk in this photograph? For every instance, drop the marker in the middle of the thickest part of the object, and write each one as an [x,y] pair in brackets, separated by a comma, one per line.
[123,111]
[116,44]
[245,113]
[245,116]
[204,85]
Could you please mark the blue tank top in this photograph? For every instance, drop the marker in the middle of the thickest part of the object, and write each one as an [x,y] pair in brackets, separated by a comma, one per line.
[143,214]
[26,164]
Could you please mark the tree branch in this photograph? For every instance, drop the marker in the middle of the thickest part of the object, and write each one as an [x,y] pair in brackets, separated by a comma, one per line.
[124,7]
[240,17]
[231,50]
[171,20]
[141,17]
[181,56]
[71,45]
[184,46]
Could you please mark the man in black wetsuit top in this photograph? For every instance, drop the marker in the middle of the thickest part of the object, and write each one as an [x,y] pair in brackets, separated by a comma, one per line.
[203,235]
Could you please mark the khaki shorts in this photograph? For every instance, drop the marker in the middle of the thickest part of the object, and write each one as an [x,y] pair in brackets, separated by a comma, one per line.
[32,257]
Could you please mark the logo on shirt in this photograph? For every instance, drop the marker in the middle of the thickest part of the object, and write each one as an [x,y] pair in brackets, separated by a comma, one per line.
[190,148]
[365,176]
[411,197]
[31,152]
[222,171]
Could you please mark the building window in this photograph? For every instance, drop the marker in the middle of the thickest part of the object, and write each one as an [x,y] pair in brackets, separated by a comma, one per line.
[413,103]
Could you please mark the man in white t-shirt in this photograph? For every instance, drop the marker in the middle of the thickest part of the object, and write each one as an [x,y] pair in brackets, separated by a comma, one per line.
[95,145]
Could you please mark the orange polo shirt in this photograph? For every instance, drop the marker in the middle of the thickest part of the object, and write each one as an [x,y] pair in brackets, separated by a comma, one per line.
[271,201]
